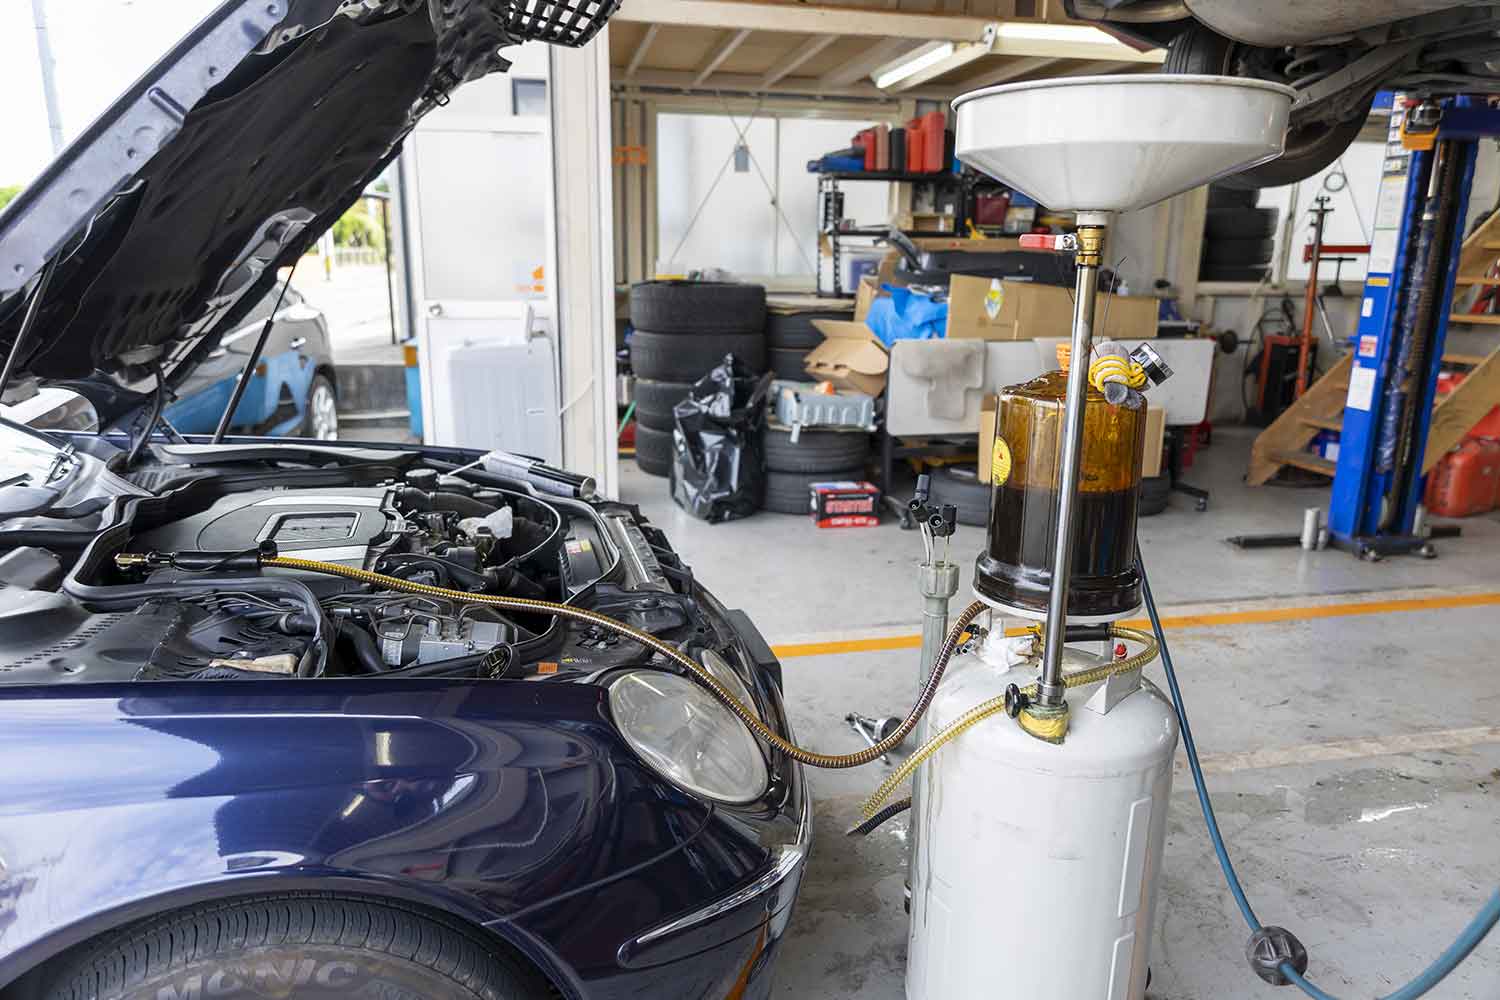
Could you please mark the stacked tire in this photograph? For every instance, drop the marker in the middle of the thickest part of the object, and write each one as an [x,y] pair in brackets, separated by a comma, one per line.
[682,330]
[817,456]
[789,339]
[961,486]
[1239,239]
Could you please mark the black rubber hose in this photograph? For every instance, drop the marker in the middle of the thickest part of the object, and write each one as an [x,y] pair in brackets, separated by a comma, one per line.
[457,503]
[70,540]
[357,640]
[868,826]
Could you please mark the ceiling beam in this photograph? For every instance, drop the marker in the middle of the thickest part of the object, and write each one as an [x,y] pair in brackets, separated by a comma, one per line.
[642,49]
[861,66]
[1011,69]
[806,19]
[1066,41]
[1102,67]
[795,58]
[746,83]
[726,49]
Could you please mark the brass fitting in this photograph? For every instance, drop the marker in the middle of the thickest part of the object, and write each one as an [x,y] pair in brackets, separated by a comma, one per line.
[1090,246]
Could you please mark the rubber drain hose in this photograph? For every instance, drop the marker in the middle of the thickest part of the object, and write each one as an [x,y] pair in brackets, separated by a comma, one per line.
[1435,973]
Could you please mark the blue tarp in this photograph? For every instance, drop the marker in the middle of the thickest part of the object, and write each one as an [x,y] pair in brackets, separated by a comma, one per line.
[906,315]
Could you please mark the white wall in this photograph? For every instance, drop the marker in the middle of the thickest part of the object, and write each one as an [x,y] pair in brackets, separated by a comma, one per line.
[738,225]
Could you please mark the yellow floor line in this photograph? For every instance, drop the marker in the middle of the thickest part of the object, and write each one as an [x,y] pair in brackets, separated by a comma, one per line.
[1254,616]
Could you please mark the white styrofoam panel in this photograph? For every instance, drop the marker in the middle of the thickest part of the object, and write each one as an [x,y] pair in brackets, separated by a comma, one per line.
[1184,395]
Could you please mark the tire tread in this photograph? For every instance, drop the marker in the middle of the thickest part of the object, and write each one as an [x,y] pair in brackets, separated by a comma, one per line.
[160,944]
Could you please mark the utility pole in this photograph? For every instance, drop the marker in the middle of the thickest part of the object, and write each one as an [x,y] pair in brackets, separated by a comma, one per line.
[49,84]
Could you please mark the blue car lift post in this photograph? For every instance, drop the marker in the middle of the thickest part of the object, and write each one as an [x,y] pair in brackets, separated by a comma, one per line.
[1423,202]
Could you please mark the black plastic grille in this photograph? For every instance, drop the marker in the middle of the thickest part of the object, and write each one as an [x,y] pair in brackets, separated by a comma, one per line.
[560,22]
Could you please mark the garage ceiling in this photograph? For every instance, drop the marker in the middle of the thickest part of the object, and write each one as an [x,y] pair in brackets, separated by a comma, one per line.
[834,48]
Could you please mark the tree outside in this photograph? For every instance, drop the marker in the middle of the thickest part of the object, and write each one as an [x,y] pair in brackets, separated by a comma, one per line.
[7,193]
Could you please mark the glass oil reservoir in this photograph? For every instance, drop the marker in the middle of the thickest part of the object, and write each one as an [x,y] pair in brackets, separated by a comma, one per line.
[1015,570]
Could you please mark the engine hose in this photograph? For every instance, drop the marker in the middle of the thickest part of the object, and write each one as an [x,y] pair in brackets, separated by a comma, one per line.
[721,693]
[1435,973]
[986,709]
[866,827]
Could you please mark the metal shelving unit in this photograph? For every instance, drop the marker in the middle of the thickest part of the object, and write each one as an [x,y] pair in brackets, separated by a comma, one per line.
[831,212]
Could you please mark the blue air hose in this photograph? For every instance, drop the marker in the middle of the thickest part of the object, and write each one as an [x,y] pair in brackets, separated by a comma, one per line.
[1467,941]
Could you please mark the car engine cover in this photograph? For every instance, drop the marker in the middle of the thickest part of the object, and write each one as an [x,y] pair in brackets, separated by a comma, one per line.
[348,526]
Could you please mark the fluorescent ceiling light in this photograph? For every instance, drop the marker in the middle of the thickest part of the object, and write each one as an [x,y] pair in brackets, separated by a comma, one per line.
[913,64]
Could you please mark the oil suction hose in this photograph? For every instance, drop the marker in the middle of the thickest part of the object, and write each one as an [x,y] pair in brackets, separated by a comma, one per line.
[1275,953]
[872,815]
[721,693]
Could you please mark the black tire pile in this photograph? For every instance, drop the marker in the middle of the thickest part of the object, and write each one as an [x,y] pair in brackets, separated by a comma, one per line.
[818,456]
[683,329]
[961,486]
[1239,239]
[789,339]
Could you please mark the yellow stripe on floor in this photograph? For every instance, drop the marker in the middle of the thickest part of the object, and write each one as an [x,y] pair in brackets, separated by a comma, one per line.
[1253,616]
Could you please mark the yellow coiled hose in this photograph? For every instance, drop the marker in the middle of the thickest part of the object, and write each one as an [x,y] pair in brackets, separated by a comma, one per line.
[988,708]
[1107,368]
[728,700]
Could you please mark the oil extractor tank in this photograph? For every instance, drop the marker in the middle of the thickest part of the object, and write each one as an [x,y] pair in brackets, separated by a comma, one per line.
[1035,874]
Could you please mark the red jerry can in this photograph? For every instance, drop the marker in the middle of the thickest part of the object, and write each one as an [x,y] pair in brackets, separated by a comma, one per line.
[1466,481]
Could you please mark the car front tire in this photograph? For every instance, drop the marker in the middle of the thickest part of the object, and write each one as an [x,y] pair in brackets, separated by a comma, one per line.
[309,947]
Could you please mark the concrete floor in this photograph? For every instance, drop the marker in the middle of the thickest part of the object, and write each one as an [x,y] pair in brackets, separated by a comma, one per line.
[1360,807]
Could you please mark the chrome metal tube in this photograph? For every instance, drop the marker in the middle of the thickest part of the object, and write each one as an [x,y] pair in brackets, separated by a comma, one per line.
[939,583]
[1050,691]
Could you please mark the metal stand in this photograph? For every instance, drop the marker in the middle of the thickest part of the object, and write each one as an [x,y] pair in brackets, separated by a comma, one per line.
[1090,246]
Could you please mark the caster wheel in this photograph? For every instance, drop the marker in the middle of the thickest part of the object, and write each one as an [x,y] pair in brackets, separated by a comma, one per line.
[1427,551]
[1201,506]
[1369,554]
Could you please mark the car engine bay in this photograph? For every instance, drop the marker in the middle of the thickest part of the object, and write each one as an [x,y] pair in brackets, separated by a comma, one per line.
[157,575]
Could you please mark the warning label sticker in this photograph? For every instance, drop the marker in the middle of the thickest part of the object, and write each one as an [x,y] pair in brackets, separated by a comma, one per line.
[1361,388]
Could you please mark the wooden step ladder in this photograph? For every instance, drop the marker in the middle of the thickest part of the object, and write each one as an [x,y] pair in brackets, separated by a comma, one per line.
[1321,407]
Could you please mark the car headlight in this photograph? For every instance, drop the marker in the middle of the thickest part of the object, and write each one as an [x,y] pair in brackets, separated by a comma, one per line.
[721,671]
[680,730]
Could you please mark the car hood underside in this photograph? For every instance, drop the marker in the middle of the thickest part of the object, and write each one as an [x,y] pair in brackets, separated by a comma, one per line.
[166,221]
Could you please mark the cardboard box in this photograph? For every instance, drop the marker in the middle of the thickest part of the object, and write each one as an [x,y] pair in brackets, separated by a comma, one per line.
[851,357]
[988,410]
[992,309]
[1156,432]
[867,293]
[845,504]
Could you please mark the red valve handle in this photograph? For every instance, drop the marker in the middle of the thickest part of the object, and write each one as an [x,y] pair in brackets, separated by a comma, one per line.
[1038,241]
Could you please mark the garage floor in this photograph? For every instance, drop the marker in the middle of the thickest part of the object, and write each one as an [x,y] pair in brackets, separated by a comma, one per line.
[1354,751]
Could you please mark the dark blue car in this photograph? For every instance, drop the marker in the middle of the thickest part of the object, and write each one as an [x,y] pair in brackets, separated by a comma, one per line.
[307,719]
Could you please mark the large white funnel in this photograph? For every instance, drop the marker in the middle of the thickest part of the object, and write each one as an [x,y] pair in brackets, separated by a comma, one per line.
[1116,143]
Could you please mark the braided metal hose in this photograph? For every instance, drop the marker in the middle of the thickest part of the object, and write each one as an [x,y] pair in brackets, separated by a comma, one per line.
[722,694]
[996,705]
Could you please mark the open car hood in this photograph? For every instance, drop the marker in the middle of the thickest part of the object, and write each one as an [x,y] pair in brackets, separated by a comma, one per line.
[165,222]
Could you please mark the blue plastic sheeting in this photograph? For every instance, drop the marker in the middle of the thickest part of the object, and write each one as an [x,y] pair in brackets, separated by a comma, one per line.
[906,315]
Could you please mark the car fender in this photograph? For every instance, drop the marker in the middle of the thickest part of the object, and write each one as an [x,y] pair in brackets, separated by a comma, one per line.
[482,799]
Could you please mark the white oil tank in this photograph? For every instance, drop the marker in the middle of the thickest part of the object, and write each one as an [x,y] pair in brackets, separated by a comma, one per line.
[1034,875]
